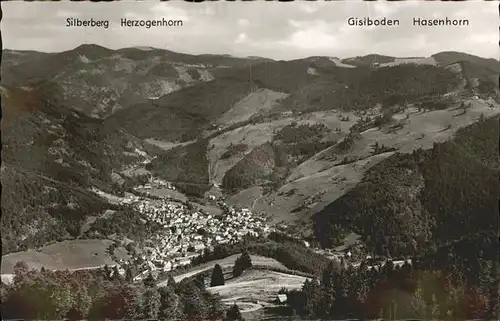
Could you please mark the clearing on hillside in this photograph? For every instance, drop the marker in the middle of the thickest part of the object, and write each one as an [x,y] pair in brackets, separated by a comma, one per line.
[75,254]
[227,263]
[254,103]
[256,289]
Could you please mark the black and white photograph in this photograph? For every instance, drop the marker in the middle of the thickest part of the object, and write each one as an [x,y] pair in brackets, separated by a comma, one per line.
[250,161]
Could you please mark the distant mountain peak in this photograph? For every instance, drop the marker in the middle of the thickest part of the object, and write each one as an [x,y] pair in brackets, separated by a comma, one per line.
[144,48]
[85,47]
[368,60]
[91,51]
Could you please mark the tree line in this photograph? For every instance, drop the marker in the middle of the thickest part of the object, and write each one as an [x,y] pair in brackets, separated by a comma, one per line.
[292,254]
[392,292]
[102,294]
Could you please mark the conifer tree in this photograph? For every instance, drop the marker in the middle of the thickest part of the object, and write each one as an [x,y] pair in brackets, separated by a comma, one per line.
[246,260]
[217,276]
[116,276]
[361,285]
[171,282]
[151,302]
[149,281]
[234,314]
[107,272]
[312,297]
[20,272]
[493,293]
[129,277]
[418,305]
[328,296]
[62,299]
[82,303]
[169,302]
[435,312]
[243,262]
[132,301]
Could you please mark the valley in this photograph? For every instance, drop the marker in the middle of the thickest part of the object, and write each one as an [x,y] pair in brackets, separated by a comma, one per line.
[164,164]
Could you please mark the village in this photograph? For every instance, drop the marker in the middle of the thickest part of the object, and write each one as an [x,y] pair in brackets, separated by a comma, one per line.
[188,229]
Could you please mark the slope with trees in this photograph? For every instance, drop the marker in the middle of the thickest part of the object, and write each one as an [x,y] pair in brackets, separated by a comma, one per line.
[411,291]
[100,294]
[185,166]
[51,157]
[438,200]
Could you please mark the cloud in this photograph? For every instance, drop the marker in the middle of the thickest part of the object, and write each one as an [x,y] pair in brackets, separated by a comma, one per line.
[275,30]
[242,37]
[316,36]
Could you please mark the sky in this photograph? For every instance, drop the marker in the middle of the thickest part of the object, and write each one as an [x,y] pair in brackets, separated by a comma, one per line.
[280,31]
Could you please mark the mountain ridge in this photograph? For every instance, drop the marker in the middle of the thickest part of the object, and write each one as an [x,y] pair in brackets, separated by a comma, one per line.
[373,56]
[115,79]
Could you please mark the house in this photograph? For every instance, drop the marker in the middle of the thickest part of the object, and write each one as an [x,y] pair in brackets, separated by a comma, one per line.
[199,247]
[185,262]
[281,299]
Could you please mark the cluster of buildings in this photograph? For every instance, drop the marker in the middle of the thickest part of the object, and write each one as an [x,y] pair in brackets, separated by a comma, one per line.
[158,183]
[187,230]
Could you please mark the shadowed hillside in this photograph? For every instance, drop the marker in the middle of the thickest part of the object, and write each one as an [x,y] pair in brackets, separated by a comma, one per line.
[182,115]
[448,57]
[254,169]
[408,202]
[187,166]
[355,89]
[51,156]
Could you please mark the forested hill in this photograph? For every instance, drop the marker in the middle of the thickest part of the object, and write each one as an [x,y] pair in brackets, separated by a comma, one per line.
[444,199]
[52,155]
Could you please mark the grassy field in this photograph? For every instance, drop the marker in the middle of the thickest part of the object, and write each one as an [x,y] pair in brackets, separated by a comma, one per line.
[256,289]
[253,136]
[227,263]
[75,254]
[260,101]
